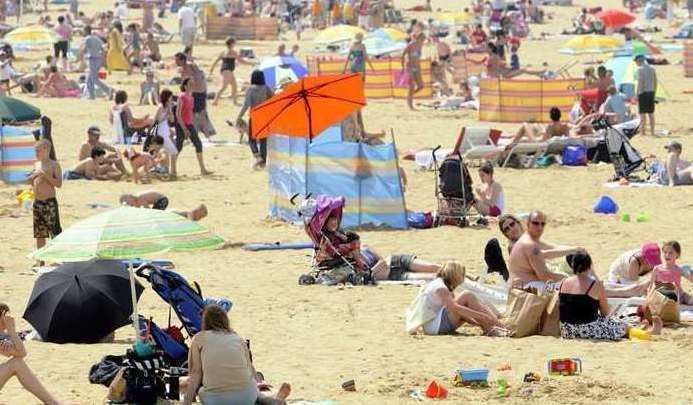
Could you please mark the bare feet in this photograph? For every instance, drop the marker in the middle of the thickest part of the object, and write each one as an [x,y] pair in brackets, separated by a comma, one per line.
[657,325]
[284,392]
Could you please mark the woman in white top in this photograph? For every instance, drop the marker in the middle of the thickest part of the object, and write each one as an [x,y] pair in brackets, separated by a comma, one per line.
[625,272]
[220,365]
[164,130]
[439,312]
[490,197]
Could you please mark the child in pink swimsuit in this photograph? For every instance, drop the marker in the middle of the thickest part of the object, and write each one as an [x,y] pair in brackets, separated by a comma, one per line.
[670,273]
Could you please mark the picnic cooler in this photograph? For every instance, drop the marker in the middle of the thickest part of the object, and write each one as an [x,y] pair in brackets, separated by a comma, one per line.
[380,83]
[242,28]
[520,100]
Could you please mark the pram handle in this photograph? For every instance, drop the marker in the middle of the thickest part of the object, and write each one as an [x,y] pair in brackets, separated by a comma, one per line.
[433,152]
[141,271]
[292,200]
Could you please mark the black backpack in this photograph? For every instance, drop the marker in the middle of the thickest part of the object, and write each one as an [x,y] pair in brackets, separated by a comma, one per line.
[141,386]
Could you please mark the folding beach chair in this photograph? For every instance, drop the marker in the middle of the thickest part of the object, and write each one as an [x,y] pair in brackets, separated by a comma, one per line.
[478,143]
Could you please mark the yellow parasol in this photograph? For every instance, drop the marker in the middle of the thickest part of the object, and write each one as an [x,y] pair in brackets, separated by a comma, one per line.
[338,33]
[455,18]
[591,44]
[33,36]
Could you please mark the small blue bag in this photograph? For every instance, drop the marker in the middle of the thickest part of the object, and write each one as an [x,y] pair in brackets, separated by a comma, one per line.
[575,156]
[605,205]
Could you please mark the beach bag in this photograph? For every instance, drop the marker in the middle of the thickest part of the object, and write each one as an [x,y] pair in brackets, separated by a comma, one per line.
[141,386]
[420,220]
[664,307]
[524,312]
[401,78]
[575,156]
[105,371]
[551,318]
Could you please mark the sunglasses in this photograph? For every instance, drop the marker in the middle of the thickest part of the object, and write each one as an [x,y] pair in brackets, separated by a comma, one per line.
[508,227]
[538,223]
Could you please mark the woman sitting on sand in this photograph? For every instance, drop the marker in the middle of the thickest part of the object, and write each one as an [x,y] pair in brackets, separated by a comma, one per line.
[437,311]
[57,85]
[220,366]
[625,272]
[584,307]
[490,199]
[11,346]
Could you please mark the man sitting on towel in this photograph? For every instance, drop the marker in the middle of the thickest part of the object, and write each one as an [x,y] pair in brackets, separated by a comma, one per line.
[528,256]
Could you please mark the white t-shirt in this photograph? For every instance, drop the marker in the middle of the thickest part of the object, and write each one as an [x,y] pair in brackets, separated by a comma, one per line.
[497,4]
[430,290]
[186,15]
[121,12]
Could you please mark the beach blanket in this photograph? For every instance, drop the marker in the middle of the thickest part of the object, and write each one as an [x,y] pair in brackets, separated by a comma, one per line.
[258,247]
[615,184]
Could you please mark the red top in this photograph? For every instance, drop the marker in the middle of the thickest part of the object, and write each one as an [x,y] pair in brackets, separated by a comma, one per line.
[185,103]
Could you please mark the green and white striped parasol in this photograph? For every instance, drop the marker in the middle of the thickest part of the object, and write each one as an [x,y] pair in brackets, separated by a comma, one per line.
[125,233]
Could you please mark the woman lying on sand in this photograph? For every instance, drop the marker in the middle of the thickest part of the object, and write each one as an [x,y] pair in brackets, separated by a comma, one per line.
[12,346]
[338,245]
[584,307]
[437,311]
[221,367]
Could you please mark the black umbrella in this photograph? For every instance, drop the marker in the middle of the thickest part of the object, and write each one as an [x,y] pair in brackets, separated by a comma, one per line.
[81,302]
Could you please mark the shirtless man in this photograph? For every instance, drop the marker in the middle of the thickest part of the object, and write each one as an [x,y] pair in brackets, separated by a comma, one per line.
[45,178]
[198,87]
[93,136]
[528,256]
[94,167]
[145,199]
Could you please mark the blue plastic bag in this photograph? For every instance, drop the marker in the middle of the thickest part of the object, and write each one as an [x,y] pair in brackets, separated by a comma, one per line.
[575,156]
[605,205]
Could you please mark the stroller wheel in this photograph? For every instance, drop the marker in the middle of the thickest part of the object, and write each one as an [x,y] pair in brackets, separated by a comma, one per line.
[306,279]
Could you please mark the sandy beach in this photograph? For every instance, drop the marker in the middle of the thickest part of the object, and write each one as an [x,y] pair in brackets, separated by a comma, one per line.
[317,337]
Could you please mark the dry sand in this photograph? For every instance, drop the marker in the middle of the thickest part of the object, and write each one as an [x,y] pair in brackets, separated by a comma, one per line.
[315,337]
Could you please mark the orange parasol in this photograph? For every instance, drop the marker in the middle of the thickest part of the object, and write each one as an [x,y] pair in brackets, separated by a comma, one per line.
[306,108]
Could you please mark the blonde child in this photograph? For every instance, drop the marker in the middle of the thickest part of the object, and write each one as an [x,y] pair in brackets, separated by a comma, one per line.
[45,178]
[671,273]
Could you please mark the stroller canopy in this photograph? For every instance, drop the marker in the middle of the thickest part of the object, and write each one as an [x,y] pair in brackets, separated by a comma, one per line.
[325,207]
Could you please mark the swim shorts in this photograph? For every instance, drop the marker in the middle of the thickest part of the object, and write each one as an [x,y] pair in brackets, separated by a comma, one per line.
[160,204]
[400,264]
[646,102]
[46,218]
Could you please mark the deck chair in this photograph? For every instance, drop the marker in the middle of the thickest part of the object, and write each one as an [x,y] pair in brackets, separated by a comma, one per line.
[478,143]
[563,72]
[527,148]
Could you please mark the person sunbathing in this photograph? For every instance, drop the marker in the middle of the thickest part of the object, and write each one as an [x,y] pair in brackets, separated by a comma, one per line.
[95,167]
[145,199]
[93,141]
[626,270]
[533,132]
[57,85]
[679,172]
[11,346]
[437,311]
[527,263]
[490,199]
[195,214]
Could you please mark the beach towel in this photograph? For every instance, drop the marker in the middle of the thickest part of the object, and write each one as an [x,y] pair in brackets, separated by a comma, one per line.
[258,247]
[616,184]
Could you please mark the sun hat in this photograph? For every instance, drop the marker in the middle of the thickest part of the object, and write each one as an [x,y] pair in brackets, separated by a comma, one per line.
[651,254]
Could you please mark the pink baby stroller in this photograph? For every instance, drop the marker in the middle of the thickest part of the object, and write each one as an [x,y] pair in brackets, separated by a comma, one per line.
[336,257]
